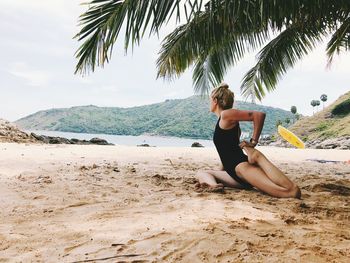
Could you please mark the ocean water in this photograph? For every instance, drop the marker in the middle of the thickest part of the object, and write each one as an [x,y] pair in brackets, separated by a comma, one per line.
[158,141]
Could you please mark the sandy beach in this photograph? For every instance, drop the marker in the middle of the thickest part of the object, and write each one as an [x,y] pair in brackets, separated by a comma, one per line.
[69,203]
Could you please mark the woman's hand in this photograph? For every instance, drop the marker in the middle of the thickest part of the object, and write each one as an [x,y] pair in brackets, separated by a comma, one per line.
[247,144]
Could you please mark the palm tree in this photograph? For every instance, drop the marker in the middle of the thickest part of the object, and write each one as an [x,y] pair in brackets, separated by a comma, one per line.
[293,110]
[313,104]
[323,98]
[317,104]
[214,35]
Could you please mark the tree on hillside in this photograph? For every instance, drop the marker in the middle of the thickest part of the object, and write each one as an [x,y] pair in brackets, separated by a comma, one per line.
[293,110]
[214,35]
[278,122]
[323,98]
[313,104]
[317,104]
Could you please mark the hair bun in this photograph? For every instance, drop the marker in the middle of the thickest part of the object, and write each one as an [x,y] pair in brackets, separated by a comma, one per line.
[223,85]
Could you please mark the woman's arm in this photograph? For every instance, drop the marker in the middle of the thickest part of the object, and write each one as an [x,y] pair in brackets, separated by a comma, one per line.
[256,117]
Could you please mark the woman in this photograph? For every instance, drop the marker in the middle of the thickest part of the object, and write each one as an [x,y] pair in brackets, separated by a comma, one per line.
[240,170]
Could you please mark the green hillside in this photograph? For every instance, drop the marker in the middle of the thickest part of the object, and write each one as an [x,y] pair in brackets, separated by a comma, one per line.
[332,122]
[188,117]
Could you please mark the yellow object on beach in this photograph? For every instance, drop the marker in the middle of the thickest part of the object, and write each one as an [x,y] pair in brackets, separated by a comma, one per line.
[290,137]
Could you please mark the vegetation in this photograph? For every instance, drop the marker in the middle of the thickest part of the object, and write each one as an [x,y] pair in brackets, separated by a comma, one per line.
[181,118]
[293,110]
[214,35]
[342,108]
[278,123]
[287,121]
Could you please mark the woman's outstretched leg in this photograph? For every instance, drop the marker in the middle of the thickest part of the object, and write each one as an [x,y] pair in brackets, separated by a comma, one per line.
[257,177]
[216,178]
[205,177]
[275,174]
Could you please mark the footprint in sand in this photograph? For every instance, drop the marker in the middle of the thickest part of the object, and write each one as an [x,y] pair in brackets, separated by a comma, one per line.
[332,188]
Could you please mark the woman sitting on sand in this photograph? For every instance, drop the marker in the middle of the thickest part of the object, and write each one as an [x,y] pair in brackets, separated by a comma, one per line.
[240,170]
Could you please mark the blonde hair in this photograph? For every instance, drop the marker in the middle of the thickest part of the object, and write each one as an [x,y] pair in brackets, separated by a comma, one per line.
[224,96]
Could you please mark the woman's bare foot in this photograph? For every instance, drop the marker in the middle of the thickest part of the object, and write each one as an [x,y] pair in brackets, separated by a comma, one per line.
[252,153]
[204,187]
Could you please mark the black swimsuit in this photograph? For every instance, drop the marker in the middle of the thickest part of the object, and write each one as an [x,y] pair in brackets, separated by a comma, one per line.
[227,145]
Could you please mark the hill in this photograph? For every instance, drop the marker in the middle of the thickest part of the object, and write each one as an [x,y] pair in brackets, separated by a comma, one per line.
[188,117]
[326,124]
[327,129]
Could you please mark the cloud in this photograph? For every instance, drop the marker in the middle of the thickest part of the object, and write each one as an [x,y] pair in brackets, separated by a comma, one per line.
[52,7]
[35,78]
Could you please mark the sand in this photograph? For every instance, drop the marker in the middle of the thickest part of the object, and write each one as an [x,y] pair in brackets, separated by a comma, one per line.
[69,203]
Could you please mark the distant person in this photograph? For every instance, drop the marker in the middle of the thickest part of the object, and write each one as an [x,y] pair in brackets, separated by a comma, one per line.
[240,170]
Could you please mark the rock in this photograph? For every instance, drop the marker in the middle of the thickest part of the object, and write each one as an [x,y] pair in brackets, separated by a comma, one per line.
[332,143]
[143,145]
[99,141]
[61,140]
[196,144]
[38,137]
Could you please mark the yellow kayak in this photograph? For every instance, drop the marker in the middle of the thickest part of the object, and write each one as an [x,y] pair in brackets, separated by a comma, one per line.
[290,137]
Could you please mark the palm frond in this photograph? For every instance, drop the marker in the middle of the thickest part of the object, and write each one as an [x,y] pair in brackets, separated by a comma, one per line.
[201,77]
[220,58]
[339,41]
[211,50]
[278,56]
[217,37]
[279,14]
[103,21]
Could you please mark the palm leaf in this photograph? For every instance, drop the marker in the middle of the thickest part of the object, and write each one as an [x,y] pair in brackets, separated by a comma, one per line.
[103,21]
[212,51]
[339,40]
[277,56]
[217,37]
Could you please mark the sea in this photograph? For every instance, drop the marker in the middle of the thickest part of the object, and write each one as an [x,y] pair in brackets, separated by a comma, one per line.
[129,140]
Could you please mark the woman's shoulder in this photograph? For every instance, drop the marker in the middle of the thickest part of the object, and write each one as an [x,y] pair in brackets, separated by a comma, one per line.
[227,123]
[240,115]
[228,114]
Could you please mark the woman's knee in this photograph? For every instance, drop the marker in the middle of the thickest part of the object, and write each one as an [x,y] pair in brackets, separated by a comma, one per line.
[241,168]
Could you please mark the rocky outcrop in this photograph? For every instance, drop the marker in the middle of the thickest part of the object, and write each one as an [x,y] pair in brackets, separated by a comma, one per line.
[61,140]
[342,143]
[10,133]
[334,143]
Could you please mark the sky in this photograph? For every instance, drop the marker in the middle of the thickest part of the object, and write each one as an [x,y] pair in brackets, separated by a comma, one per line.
[37,68]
